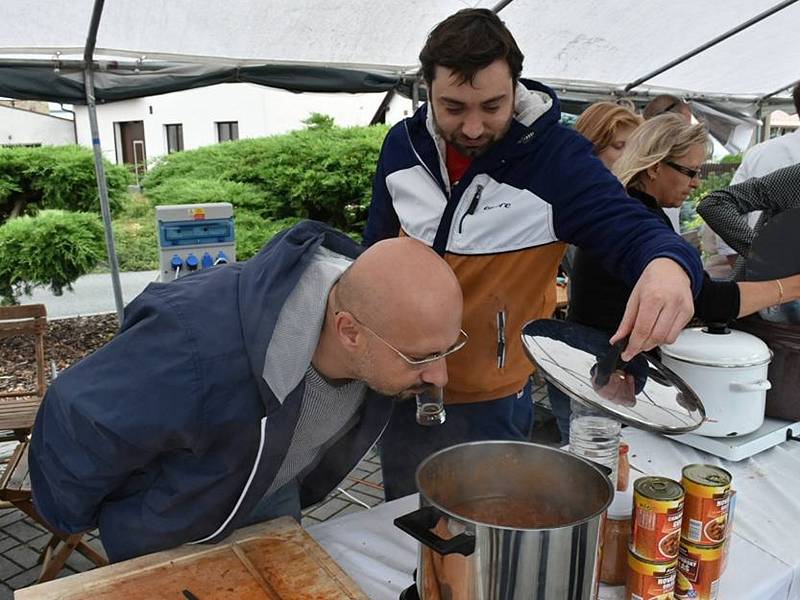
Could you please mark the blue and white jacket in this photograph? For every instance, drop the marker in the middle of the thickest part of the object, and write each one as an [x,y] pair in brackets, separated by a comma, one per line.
[502,226]
[170,433]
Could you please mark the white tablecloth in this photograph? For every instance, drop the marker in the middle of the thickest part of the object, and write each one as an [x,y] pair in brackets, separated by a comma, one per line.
[764,561]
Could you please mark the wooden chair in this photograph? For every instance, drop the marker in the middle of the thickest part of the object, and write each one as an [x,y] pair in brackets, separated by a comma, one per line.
[15,487]
[18,409]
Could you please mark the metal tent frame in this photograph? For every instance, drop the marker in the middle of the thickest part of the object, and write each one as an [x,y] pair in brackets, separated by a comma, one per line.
[94,79]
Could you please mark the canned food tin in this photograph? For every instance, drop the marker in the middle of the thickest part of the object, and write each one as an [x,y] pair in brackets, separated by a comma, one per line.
[657,513]
[699,570]
[706,509]
[726,545]
[649,580]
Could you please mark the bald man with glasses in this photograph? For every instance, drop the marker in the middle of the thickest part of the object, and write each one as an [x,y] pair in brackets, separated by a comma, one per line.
[243,392]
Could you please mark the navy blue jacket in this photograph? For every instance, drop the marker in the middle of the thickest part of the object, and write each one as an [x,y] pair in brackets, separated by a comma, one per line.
[169,433]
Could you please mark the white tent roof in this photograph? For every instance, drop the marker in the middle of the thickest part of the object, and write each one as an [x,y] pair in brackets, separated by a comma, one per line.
[573,45]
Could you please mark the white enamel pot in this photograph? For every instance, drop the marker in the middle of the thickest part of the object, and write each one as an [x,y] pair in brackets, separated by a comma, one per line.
[727,369]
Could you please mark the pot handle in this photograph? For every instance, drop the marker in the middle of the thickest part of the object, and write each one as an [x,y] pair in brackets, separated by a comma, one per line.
[418,525]
[755,386]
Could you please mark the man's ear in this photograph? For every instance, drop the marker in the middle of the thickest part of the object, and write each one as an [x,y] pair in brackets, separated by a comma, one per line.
[347,330]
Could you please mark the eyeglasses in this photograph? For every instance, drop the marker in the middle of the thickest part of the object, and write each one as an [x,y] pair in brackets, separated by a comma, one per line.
[690,173]
[411,360]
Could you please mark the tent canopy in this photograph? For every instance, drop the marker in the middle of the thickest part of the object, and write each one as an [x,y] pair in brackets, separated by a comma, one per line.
[150,46]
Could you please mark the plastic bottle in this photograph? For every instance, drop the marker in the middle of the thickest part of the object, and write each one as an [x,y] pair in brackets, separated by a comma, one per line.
[595,437]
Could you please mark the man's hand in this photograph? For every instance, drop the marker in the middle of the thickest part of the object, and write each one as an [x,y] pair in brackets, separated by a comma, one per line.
[660,306]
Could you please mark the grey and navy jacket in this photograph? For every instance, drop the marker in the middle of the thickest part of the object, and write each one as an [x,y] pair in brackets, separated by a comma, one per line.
[170,433]
[502,228]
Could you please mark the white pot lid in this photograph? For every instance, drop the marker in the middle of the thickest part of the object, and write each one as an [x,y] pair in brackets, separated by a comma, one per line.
[718,347]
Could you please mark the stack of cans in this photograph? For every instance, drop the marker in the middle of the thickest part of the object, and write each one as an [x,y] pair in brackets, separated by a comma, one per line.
[680,535]
[706,530]
[655,539]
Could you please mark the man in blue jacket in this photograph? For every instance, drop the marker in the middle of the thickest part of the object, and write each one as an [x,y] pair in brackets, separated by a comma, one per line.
[242,392]
[486,176]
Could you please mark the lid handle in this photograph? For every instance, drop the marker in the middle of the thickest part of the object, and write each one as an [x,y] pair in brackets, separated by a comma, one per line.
[718,328]
[608,363]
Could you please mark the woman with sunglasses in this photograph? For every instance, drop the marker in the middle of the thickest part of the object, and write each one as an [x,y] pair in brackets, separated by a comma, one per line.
[659,168]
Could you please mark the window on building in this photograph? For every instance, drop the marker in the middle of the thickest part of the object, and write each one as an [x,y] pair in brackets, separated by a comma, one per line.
[227,131]
[174,137]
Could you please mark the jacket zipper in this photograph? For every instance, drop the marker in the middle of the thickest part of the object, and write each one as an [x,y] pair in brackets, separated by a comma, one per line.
[473,205]
[225,523]
[501,339]
[445,191]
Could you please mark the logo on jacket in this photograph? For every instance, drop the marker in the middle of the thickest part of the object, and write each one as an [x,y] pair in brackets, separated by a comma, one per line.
[501,205]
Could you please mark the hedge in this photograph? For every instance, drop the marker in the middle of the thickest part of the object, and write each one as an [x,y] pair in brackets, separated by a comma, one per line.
[53,248]
[322,173]
[55,177]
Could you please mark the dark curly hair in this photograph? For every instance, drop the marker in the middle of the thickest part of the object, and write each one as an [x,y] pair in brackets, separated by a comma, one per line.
[468,41]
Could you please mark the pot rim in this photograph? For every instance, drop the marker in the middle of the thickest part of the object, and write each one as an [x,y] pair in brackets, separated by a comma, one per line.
[703,363]
[463,519]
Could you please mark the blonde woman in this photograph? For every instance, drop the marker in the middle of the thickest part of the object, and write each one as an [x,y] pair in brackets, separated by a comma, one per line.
[608,126]
[659,168]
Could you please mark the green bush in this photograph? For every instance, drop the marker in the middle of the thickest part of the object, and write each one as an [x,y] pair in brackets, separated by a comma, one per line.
[186,190]
[322,173]
[734,159]
[689,217]
[53,248]
[252,232]
[58,177]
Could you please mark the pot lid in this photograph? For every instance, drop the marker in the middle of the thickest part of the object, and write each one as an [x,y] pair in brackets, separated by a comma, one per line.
[718,347]
[580,362]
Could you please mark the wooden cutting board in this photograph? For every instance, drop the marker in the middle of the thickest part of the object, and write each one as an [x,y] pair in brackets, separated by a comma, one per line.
[276,560]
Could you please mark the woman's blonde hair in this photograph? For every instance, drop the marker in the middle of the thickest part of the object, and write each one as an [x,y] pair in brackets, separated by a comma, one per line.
[600,122]
[661,138]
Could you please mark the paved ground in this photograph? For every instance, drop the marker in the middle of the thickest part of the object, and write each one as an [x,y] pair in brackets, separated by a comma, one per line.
[92,294]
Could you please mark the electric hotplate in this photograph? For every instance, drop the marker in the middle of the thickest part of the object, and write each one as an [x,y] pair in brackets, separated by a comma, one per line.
[772,433]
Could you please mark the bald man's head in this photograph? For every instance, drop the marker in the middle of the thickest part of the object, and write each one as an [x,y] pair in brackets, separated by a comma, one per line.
[403,293]
[397,279]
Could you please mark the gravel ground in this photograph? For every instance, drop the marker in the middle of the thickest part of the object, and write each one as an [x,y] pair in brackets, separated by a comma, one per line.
[66,342]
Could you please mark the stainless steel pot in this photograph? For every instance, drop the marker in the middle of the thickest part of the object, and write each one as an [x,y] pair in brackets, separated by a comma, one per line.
[507,521]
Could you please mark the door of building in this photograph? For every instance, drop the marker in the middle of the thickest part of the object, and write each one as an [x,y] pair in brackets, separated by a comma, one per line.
[131,142]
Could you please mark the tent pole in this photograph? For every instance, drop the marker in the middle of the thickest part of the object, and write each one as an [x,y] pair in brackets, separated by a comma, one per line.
[720,38]
[102,187]
[99,169]
[501,5]
[778,91]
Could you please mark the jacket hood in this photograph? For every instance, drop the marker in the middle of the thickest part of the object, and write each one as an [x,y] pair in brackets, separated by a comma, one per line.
[269,278]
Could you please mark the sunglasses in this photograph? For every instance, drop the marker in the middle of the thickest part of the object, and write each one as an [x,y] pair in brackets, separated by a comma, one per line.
[415,361]
[690,173]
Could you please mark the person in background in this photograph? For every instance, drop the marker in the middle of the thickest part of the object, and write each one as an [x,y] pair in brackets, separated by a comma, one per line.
[659,168]
[485,174]
[758,161]
[240,393]
[608,126]
[727,211]
[665,104]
